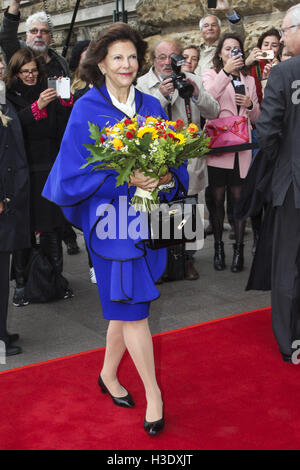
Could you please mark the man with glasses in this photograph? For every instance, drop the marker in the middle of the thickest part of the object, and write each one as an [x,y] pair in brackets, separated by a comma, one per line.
[279,137]
[38,38]
[157,83]
[210,28]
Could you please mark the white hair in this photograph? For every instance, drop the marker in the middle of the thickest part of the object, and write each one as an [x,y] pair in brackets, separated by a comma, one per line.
[294,11]
[206,16]
[40,16]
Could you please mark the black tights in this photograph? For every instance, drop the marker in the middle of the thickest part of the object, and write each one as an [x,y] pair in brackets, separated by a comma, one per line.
[218,213]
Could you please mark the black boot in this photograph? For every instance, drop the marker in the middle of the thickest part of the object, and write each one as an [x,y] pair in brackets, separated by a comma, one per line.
[219,258]
[238,257]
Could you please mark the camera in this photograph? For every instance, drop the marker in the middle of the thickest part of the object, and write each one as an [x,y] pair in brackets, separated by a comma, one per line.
[184,88]
[61,86]
[267,55]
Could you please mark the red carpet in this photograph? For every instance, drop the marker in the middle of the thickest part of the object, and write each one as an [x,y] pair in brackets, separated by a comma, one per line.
[224,384]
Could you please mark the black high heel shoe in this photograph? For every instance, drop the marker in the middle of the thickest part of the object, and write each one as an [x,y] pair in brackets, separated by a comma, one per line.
[154,427]
[125,402]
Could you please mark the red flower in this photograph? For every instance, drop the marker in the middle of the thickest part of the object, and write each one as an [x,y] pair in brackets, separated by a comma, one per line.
[102,140]
[129,135]
[171,136]
[179,124]
[127,122]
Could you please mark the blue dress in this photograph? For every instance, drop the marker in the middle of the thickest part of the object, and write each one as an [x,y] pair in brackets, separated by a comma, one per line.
[126,270]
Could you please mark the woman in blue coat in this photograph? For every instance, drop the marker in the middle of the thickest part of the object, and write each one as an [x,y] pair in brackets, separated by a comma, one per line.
[126,270]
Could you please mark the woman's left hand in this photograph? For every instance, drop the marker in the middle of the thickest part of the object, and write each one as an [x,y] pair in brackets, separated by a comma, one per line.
[46,97]
[243,100]
[165,179]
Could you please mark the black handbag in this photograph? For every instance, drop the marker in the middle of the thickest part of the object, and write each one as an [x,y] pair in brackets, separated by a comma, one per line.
[174,222]
[43,283]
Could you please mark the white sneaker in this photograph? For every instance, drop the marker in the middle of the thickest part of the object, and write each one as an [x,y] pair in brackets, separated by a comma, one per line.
[93,276]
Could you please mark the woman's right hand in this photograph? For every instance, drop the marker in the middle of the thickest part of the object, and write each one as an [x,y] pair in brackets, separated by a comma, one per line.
[254,55]
[46,97]
[234,64]
[144,182]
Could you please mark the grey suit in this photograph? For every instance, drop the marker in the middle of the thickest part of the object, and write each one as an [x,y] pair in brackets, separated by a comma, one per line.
[279,137]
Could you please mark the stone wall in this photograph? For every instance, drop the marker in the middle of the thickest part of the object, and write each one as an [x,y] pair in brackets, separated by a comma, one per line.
[154,18]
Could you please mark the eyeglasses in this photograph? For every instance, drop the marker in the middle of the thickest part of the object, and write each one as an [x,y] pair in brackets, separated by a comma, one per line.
[36,30]
[284,30]
[163,57]
[29,72]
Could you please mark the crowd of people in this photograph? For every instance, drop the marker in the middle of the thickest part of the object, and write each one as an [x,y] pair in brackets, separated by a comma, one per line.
[46,136]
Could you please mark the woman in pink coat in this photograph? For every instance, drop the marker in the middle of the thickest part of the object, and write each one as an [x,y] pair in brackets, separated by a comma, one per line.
[224,82]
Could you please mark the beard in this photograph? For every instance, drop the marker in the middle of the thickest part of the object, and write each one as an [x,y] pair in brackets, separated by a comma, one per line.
[38,45]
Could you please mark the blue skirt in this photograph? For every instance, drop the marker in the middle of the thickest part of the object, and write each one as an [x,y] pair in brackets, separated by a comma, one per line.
[126,288]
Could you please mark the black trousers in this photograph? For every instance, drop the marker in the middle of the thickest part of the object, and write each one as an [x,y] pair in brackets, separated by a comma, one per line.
[4,293]
[286,274]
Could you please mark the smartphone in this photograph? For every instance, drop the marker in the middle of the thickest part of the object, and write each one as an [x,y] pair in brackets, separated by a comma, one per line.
[236,51]
[2,92]
[62,86]
[211,3]
[267,55]
[240,89]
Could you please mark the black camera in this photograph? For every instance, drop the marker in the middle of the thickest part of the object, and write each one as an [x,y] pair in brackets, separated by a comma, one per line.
[185,89]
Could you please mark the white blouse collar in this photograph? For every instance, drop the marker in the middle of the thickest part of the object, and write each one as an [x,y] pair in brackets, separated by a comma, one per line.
[127,108]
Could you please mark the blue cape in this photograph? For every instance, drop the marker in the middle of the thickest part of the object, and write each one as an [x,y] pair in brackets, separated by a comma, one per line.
[84,195]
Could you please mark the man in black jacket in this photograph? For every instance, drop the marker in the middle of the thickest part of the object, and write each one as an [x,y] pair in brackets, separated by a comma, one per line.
[38,38]
[279,137]
[14,209]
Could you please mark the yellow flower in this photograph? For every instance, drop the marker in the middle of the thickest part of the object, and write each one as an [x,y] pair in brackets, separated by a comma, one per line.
[192,128]
[180,138]
[151,120]
[170,123]
[132,127]
[119,125]
[145,130]
[118,144]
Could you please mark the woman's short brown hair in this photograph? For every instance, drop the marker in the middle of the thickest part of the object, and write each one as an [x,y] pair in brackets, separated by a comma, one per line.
[218,62]
[98,49]
[21,57]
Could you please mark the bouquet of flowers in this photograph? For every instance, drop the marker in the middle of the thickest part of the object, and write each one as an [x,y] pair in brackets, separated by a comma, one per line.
[150,145]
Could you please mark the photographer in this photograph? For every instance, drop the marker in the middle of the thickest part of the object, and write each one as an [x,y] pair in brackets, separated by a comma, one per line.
[235,91]
[157,82]
[262,58]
